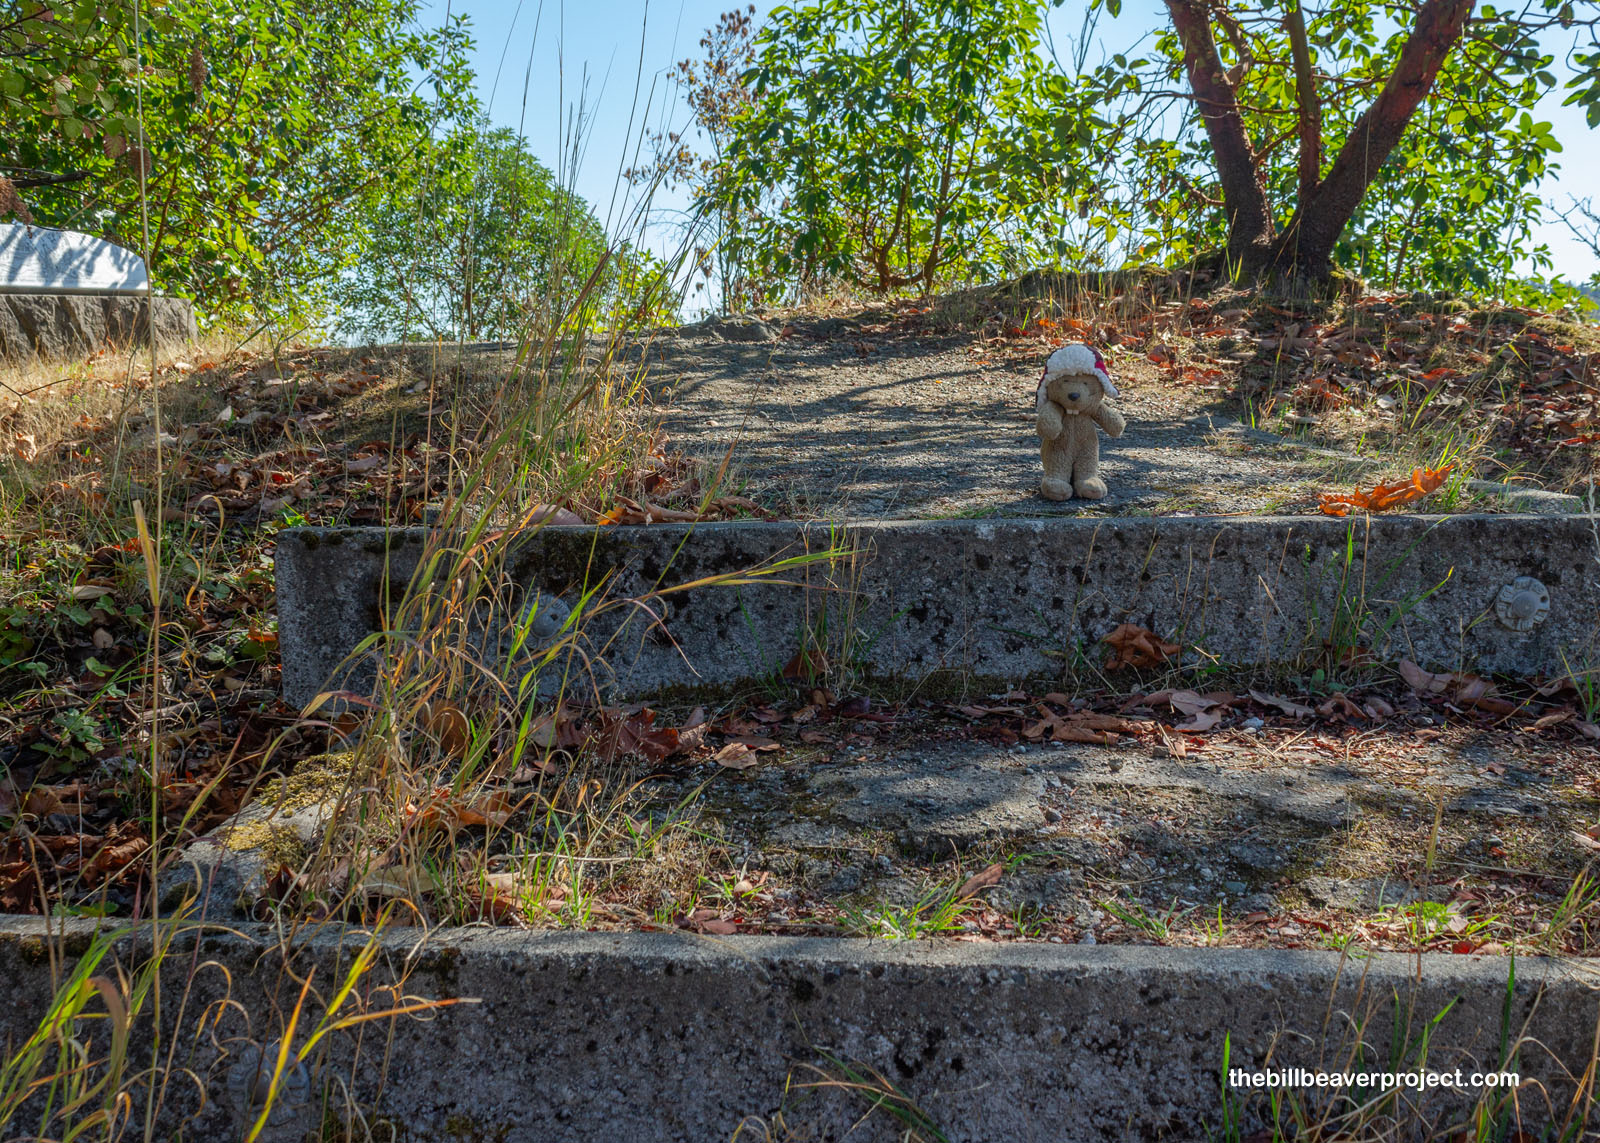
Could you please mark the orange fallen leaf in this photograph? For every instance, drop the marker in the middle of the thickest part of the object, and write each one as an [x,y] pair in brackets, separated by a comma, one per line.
[1386,496]
[448,724]
[807,664]
[1083,734]
[449,812]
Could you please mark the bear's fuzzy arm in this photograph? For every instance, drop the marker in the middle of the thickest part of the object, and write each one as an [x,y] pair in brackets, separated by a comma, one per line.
[1110,420]
[1050,423]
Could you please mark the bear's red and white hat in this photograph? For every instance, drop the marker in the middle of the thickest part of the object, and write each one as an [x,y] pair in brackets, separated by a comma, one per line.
[1077,359]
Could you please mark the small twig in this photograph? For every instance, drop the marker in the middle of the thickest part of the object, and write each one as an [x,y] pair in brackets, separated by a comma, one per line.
[46,385]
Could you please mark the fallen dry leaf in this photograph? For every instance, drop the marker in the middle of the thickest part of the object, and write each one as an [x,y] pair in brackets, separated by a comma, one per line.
[1292,709]
[1377,708]
[1200,708]
[1134,646]
[1386,496]
[735,756]
[692,737]
[632,731]
[1188,701]
[399,882]
[754,742]
[1077,733]
[1462,689]
[1203,721]
[808,663]
[978,882]
[1422,681]
[554,514]
[1338,704]
[445,810]
[121,848]
[449,727]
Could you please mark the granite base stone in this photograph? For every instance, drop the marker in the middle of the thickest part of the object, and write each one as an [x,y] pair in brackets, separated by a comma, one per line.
[66,325]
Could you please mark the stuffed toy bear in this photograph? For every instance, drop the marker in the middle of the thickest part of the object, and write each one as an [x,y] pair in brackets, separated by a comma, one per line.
[1072,401]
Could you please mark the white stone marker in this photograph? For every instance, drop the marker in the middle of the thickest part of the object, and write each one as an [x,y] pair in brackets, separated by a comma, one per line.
[39,260]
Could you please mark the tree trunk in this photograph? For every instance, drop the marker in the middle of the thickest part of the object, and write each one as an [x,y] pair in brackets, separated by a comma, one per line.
[1244,199]
[1305,249]
[1308,104]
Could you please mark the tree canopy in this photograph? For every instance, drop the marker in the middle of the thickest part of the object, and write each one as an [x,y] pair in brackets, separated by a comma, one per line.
[891,144]
[1379,132]
[874,135]
[475,238]
[240,135]
[270,154]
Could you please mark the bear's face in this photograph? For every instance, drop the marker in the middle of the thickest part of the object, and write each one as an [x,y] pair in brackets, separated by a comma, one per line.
[1076,392]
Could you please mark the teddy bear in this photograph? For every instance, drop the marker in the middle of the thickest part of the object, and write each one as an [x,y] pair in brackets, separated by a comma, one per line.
[1072,400]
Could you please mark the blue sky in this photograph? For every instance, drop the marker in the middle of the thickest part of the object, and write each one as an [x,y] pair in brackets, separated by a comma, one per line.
[537,59]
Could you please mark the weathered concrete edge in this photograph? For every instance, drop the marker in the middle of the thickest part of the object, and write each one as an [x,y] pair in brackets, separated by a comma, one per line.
[646,1036]
[1004,600]
[62,324]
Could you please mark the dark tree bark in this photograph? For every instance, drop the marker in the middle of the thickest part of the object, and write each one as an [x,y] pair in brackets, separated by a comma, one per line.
[1306,245]
[1244,198]
[1326,203]
[1306,99]
[33,178]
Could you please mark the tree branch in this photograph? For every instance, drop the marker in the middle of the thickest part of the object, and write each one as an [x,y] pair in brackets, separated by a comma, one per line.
[1243,196]
[41,179]
[1318,220]
[1310,107]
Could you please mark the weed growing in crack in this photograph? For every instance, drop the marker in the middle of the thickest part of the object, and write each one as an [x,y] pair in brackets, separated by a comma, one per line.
[935,913]
[1154,924]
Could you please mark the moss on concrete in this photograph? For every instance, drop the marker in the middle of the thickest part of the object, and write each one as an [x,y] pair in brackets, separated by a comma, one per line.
[313,782]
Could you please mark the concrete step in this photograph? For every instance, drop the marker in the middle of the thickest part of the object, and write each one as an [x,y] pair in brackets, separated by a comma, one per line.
[672,1037]
[995,600]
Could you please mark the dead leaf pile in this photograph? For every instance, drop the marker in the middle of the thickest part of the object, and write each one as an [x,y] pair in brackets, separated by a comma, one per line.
[1391,356]
[1460,691]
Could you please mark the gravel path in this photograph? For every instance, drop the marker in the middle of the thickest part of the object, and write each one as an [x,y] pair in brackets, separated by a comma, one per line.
[841,417]
[1254,821]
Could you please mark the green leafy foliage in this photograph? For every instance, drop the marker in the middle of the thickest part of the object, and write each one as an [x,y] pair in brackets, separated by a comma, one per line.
[878,135]
[240,134]
[891,146]
[1452,206]
[475,239]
